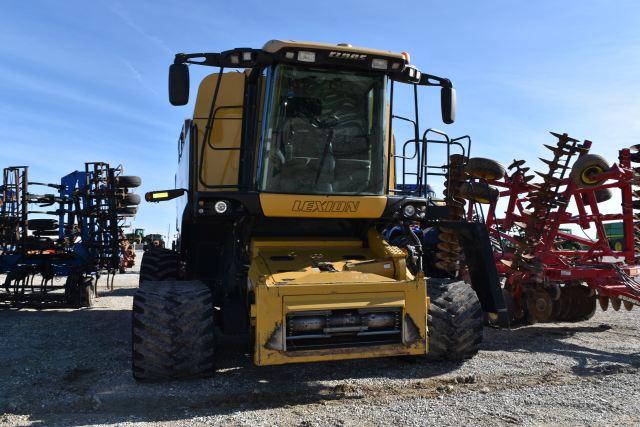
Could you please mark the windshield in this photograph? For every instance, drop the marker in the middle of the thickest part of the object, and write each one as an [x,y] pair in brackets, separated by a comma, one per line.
[324,132]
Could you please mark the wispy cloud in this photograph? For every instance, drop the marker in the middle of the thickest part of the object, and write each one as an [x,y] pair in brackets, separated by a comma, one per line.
[137,75]
[119,11]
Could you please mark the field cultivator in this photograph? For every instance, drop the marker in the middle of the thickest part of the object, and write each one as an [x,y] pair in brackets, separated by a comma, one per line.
[551,274]
[77,233]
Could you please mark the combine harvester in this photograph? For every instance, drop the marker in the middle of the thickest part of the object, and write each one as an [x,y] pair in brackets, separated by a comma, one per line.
[550,274]
[288,179]
[79,239]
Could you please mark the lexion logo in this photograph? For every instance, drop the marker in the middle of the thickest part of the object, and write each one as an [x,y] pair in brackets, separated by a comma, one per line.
[324,206]
[347,55]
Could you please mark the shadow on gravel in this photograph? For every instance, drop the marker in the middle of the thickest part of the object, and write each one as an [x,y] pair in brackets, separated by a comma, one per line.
[73,367]
[550,339]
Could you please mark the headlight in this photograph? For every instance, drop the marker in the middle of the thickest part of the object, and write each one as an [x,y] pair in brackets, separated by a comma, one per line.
[409,210]
[220,206]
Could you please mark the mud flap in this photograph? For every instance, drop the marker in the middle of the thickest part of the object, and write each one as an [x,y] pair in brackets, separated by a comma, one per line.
[474,239]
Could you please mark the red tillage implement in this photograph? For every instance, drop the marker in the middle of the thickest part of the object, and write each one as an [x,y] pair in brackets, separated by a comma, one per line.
[551,274]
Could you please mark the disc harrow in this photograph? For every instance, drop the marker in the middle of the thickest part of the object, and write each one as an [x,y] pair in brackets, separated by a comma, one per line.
[551,274]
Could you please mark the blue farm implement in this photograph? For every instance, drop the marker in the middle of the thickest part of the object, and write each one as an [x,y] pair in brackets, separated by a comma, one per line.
[76,236]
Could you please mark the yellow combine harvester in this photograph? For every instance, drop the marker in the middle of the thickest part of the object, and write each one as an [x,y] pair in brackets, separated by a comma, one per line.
[297,226]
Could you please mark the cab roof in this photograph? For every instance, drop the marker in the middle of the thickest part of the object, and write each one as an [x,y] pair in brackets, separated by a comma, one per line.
[273,46]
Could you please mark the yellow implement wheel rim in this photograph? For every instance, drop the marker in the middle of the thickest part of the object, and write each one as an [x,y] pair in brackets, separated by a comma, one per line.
[589,172]
[617,246]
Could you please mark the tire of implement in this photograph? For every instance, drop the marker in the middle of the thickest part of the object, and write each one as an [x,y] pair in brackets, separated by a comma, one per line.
[159,264]
[128,181]
[479,167]
[172,331]
[130,199]
[42,224]
[455,320]
[479,192]
[585,168]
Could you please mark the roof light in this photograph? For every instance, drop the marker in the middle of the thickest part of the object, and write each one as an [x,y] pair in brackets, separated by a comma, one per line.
[305,56]
[289,55]
[380,64]
[395,66]
[246,56]
[406,57]
[235,59]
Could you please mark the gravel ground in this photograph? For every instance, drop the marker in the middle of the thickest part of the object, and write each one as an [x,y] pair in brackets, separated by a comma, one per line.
[70,367]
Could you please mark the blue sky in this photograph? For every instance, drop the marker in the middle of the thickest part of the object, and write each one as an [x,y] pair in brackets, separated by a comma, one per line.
[85,81]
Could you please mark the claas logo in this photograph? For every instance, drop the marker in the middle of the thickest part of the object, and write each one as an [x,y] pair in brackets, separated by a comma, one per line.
[324,206]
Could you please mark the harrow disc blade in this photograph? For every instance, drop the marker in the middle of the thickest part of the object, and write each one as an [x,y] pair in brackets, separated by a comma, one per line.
[604,302]
[627,305]
[615,303]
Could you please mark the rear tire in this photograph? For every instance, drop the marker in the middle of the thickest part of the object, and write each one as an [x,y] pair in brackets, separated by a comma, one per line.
[172,331]
[159,264]
[455,320]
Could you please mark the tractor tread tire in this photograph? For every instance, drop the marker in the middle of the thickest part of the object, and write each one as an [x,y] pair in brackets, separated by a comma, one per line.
[173,331]
[159,264]
[455,320]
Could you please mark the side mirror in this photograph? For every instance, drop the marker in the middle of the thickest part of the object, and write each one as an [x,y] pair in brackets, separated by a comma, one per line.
[164,195]
[448,104]
[178,84]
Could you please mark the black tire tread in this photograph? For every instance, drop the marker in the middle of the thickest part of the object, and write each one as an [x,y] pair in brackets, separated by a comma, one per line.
[173,331]
[159,264]
[455,320]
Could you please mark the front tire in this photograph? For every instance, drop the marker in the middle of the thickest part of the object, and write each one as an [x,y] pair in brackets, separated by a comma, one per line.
[455,320]
[173,331]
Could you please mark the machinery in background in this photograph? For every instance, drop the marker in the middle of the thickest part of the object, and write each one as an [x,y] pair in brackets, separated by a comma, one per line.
[550,274]
[74,231]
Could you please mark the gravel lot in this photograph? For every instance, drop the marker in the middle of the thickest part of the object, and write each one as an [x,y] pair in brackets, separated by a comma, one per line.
[70,367]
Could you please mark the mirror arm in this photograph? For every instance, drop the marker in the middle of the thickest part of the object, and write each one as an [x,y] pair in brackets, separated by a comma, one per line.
[431,80]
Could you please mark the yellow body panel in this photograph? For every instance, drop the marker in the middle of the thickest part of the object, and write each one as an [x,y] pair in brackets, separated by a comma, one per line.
[222,151]
[309,206]
[291,275]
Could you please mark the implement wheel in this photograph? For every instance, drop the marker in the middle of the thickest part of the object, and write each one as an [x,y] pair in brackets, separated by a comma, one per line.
[128,181]
[172,331]
[42,224]
[455,320]
[130,199]
[159,264]
[586,168]
[601,195]
[127,210]
[479,192]
[479,167]
[79,291]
